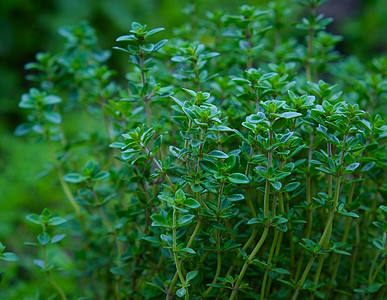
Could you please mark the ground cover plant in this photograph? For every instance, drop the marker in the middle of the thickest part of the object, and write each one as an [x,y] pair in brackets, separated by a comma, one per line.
[240,159]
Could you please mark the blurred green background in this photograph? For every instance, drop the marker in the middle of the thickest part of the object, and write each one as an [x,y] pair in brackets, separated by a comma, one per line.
[28,27]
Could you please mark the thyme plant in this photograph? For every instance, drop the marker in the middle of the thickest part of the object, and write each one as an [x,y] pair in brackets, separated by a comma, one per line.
[235,162]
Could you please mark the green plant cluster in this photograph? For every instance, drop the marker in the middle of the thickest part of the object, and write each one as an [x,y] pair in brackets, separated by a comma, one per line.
[224,167]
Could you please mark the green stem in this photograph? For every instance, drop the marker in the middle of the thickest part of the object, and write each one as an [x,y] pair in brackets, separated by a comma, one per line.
[64,185]
[304,275]
[247,262]
[143,80]
[175,277]
[381,265]
[178,266]
[271,253]
[219,256]
[248,190]
[354,254]
[51,278]
[158,166]
[266,229]
[278,244]
[347,226]
[324,240]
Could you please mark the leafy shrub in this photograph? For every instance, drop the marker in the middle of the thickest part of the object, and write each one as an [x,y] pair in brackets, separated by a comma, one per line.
[223,168]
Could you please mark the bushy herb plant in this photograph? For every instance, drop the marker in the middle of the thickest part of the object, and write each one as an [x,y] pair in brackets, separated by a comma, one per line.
[240,159]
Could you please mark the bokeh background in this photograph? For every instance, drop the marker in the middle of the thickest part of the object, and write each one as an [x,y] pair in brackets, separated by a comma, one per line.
[28,27]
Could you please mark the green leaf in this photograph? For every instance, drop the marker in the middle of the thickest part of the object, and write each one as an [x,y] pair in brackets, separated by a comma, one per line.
[159,219]
[185,220]
[290,115]
[39,263]
[34,218]
[188,250]
[51,99]
[118,145]
[267,76]
[190,92]
[57,238]
[159,45]
[217,154]
[9,256]
[52,117]
[154,31]
[238,178]
[378,244]
[126,38]
[166,238]
[235,197]
[101,176]
[166,198]
[368,166]
[180,195]
[352,167]
[181,292]
[55,221]
[240,80]
[373,288]
[74,178]
[44,238]
[290,187]
[342,252]
[179,58]
[276,184]
[221,128]
[347,214]
[191,275]
[23,129]
[191,203]
[281,271]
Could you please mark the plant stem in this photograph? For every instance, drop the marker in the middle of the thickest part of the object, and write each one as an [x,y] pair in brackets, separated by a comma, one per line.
[51,278]
[178,266]
[265,231]
[345,235]
[158,166]
[324,240]
[248,261]
[217,235]
[191,240]
[309,216]
[381,265]
[271,253]
[304,275]
[354,254]
[278,244]
[143,80]
[248,191]
[65,187]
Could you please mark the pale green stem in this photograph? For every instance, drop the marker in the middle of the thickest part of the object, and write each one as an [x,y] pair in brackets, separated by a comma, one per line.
[247,262]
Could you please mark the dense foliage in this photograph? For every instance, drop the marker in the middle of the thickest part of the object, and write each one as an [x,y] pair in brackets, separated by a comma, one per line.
[225,168]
